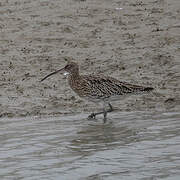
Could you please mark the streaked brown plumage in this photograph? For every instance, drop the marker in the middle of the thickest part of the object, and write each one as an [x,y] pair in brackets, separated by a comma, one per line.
[99,88]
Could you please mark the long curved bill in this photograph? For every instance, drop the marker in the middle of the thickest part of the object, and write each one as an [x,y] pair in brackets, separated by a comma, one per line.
[51,74]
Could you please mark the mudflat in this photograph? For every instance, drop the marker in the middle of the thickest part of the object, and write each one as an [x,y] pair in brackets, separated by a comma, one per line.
[133,41]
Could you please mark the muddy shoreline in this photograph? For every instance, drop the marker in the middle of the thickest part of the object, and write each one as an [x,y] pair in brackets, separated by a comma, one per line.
[137,42]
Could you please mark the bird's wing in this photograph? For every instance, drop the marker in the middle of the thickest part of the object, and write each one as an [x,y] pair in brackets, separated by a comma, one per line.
[105,87]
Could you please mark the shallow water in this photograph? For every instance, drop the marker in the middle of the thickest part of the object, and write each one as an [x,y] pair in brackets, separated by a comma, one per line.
[132,145]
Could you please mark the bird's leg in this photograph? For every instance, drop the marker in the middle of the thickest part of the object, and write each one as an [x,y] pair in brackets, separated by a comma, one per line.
[106,111]
[110,108]
[93,115]
[105,115]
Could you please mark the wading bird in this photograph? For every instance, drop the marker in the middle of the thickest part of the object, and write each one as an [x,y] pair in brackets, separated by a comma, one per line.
[103,89]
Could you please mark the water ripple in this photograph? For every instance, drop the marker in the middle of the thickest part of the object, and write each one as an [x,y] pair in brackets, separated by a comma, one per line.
[144,145]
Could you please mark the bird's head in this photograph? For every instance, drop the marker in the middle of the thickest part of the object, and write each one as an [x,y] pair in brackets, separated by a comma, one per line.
[70,68]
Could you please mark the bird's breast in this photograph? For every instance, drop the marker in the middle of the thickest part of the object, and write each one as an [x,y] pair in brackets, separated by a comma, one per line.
[78,86]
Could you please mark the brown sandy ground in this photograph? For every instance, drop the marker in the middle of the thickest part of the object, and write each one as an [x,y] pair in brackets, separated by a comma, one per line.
[139,43]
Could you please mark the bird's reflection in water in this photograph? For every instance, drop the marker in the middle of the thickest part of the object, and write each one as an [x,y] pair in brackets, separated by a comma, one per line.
[98,137]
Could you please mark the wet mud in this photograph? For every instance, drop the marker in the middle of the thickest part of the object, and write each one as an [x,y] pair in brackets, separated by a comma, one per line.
[133,41]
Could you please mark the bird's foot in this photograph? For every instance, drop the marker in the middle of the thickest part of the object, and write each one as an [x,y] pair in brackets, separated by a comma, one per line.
[92,116]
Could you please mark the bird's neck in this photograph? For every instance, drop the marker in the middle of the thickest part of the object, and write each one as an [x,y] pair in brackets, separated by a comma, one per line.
[74,80]
[75,75]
